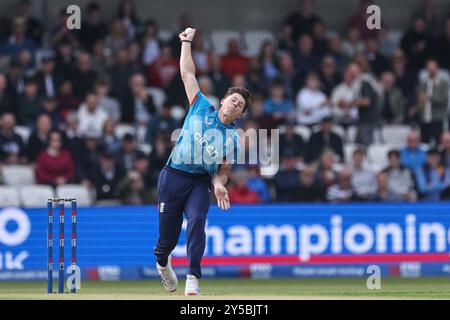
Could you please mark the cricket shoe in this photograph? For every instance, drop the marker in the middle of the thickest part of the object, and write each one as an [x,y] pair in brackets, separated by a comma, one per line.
[168,276]
[192,287]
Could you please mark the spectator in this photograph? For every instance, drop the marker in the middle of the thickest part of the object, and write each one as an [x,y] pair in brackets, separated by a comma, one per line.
[325,139]
[384,193]
[88,158]
[135,57]
[83,77]
[206,87]
[326,174]
[150,43]
[363,180]
[18,41]
[257,115]
[107,103]
[91,117]
[292,80]
[73,140]
[128,152]
[66,100]
[303,20]
[221,82]
[412,156]
[131,190]
[285,41]
[256,81]
[304,58]
[393,104]
[137,105]
[405,80]
[159,155]
[329,77]
[92,28]
[256,183]
[240,193]
[105,176]
[161,125]
[417,43]
[127,14]
[38,139]
[353,44]
[33,27]
[101,59]
[29,105]
[378,62]
[55,165]
[267,60]
[6,103]
[320,39]
[431,19]
[432,103]
[201,56]
[277,105]
[61,32]
[312,103]
[286,180]
[292,143]
[142,166]
[12,148]
[443,44]
[342,191]
[119,75]
[309,190]
[401,179]
[445,149]
[117,38]
[164,69]
[234,63]
[48,79]
[64,57]
[109,141]
[431,178]
[337,52]
[49,108]
[344,111]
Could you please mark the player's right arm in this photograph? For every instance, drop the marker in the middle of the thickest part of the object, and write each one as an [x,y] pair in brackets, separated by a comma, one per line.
[187,66]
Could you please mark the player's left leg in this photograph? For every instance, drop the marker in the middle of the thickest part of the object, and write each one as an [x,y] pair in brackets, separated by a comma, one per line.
[196,210]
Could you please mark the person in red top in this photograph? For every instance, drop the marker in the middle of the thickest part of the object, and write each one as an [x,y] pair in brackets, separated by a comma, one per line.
[233,63]
[240,193]
[55,165]
[161,72]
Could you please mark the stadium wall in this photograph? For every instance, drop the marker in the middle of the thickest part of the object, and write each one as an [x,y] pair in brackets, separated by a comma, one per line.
[116,243]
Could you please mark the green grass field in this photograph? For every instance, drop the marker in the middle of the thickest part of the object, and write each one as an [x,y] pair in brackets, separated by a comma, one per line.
[232,289]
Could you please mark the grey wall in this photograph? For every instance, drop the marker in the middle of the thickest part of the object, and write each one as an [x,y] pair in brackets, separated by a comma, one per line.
[238,14]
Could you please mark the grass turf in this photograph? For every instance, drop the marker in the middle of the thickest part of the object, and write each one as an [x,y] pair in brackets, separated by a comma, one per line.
[232,289]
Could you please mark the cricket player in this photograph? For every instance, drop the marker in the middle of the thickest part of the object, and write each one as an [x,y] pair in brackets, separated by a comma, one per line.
[202,155]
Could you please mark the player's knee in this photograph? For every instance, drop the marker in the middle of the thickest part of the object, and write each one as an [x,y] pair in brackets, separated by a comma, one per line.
[197,221]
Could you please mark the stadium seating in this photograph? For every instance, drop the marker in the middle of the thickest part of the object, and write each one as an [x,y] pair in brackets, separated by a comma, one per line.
[377,155]
[165,35]
[395,134]
[158,95]
[81,193]
[220,39]
[254,40]
[9,197]
[35,196]
[23,132]
[18,175]
[123,129]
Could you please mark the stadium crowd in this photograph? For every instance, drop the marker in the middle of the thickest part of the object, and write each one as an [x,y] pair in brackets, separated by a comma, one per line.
[73,89]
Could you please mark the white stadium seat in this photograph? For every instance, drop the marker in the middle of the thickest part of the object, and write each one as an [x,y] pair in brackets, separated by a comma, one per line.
[220,39]
[254,40]
[23,132]
[348,152]
[395,134]
[165,35]
[158,95]
[377,154]
[123,129]
[9,197]
[35,196]
[18,175]
[81,193]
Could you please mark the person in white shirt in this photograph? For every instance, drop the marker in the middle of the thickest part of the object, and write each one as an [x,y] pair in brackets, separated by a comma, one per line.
[312,103]
[150,43]
[91,117]
[344,112]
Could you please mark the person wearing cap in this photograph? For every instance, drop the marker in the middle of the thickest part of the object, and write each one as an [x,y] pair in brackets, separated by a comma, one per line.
[47,78]
[432,178]
[323,139]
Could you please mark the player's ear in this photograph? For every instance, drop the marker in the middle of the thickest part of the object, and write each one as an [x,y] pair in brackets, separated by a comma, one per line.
[221,101]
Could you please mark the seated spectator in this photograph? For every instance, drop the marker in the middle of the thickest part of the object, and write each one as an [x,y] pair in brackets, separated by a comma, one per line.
[119,75]
[343,190]
[329,75]
[12,148]
[304,58]
[384,192]
[83,76]
[89,154]
[109,141]
[277,105]
[406,81]
[352,44]
[240,193]
[221,82]
[378,62]
[267,60]
[292,143]
[161,124]
[33,27]
[286,179]
[92,28]
[326,174]
[412,156]
[319,35]
[66,100]
[105,176]
[363,180]
[256,113]
[117,37]
[38,139]
[164,69]
[312,104]
[55,165]
[159,155]
[393,104]
[256,81]
[6,102]
[309,190]
[206,87]
[137,104]
[233,62]
[337,52]
[200,55]
[18,41]
[324,139]
[29,105]
[291,79]
[344,110]
[48,79]
[91,117]
[256,183]
[109,104]
[359,20]
[443,43]
[432,179]
[131,190]
[50,108]
[445,149]
[401,179]
[128,152]
[142,166]
[302,20]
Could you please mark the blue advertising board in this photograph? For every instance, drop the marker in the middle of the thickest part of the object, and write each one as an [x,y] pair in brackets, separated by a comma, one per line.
[249,241]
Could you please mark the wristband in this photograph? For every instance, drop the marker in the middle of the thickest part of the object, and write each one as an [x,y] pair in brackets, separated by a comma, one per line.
[186,41]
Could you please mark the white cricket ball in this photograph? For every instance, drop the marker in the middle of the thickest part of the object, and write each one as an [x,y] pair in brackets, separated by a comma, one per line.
[188,31]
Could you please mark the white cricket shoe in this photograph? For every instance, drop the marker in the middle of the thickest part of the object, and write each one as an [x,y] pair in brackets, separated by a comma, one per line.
[192,287]
[168,276]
